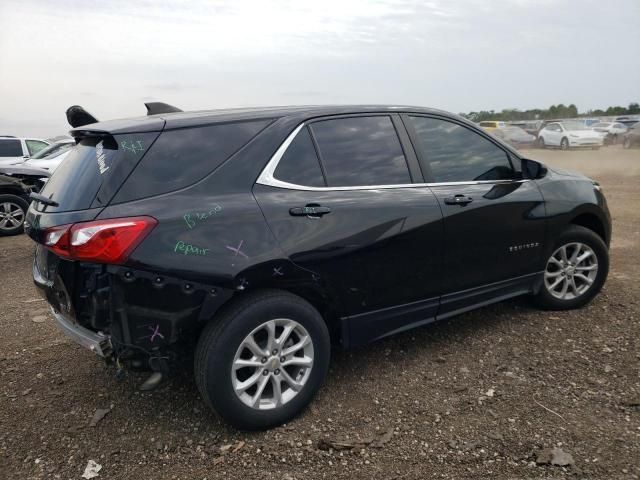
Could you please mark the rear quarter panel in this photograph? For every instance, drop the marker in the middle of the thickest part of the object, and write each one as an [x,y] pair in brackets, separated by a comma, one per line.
[214,231]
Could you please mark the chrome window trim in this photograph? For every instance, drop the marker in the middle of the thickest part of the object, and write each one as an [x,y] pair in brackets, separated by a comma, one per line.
[267,176]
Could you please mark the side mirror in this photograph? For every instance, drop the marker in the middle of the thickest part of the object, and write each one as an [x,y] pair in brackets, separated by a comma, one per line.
[532,169]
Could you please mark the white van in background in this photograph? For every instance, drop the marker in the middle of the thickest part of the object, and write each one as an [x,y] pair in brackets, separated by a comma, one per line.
[16,150]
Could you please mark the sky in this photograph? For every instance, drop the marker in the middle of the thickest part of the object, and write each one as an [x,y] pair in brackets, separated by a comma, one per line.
[458,55]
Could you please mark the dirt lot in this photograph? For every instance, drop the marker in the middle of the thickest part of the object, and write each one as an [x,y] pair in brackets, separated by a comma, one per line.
[476,397]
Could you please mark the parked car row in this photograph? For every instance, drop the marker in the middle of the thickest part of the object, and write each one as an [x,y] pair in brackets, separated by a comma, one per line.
[566,133]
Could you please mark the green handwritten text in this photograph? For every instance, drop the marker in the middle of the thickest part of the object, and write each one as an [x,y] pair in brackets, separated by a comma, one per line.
[194,218]
[188,249]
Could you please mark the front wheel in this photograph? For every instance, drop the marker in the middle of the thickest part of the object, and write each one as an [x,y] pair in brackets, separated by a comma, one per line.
[13,211]
[564,144]
[261,361]
[576,270]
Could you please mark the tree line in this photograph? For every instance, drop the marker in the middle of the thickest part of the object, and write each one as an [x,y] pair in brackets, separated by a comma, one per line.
[554,111]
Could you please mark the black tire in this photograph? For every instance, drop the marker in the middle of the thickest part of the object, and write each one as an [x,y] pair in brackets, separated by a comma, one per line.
[564,144]
[222,337]
[13,201]
[575,233]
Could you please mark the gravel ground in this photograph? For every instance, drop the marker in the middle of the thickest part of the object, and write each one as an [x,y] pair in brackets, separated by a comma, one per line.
[486,395]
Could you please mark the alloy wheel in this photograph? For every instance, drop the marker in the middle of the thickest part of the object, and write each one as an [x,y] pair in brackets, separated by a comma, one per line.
[571,271]
[272,364]
[11,216]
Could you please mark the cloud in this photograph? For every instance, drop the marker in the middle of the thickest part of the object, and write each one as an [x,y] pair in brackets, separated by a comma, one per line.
[459,56]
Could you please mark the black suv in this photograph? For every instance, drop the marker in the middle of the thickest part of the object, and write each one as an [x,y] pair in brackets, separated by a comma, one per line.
[259,237]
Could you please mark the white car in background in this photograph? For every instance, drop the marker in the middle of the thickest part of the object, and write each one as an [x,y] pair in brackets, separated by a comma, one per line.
[52,156]
[15,150]
[567,134]
[612,130]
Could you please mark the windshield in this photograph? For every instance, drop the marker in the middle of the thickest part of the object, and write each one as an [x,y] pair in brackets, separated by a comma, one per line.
[53,150]
[573,125]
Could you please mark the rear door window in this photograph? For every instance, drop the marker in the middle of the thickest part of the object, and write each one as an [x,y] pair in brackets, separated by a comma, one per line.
[10,148]
[361,151]
[299,164]
[181,157]
[94,170]
[458,154]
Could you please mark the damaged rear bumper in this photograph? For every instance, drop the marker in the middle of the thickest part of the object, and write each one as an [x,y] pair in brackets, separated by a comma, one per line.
[97,342]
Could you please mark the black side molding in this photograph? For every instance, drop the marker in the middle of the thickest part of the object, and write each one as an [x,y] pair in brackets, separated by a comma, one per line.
[154,108]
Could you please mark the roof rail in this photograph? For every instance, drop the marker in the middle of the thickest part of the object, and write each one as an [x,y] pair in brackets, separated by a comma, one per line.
[154,108]
[8,136]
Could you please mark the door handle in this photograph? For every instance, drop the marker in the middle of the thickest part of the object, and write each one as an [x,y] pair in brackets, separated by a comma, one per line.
[313,211]
[458,200]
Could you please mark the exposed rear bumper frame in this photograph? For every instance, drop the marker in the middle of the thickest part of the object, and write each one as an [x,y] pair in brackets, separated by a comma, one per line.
[98,343]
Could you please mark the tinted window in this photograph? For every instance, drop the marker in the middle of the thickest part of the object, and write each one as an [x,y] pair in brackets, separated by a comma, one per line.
[95,169]
[34,146]
[299,164]
[10,148]
[361,151]
[180,158]
[457,154]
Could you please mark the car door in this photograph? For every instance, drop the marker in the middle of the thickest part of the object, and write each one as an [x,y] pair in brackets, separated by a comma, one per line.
[341,201]
[553,134]
[493,219]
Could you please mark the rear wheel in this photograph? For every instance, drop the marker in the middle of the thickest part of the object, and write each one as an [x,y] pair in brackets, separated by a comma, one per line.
[564,144]
[13,211]
[262,360]
[575,271]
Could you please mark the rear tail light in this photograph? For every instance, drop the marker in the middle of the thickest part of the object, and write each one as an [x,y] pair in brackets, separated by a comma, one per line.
[102,241]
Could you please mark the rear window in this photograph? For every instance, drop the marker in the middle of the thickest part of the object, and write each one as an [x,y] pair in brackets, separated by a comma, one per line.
[94,170]
[10,148]
[181,157]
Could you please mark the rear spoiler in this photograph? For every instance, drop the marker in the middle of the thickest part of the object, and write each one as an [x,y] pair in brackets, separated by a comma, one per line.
[154,108]
[79,117]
